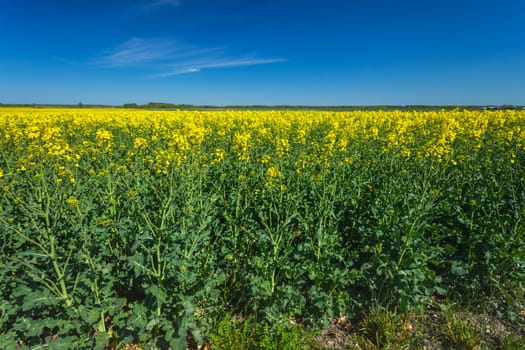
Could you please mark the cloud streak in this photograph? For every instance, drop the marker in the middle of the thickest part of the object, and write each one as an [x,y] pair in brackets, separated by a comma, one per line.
[171,58]
[194,67]
[160,3]
[137,52]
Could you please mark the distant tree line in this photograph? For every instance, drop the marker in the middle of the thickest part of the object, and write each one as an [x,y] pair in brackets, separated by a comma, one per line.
[165,105]
[184,106]
[158,105]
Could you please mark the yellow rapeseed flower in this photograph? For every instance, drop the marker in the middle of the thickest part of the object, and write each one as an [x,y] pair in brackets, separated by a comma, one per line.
[103,135]
[140,142]
[273,172]
[72,202]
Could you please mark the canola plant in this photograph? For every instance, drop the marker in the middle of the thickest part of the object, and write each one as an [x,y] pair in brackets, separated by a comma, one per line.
[145,227]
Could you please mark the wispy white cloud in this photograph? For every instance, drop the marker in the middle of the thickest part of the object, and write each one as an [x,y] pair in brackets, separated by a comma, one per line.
[142,52]
[136,52]
[169,57]
[159,3]
[197,66]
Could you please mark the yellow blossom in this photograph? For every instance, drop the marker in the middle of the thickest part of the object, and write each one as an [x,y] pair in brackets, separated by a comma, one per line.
[140,142]
[72,202]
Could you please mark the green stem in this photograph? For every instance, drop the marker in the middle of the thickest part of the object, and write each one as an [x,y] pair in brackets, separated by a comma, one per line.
[102,323]
[59,272]
[407,242]
[272,281]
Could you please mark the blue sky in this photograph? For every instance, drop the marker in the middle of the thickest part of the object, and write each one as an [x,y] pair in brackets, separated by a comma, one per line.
[332,52]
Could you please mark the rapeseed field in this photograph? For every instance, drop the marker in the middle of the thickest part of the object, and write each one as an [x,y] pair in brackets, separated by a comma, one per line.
[149,227]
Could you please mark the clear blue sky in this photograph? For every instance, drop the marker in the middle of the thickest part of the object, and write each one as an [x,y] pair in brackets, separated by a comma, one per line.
[331,52]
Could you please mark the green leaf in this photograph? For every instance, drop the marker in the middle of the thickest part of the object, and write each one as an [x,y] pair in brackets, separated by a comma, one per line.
[137,263]
[8,340]
[138,320]
[140,240]
[458,268]
[440,291]
[178,343]
[101,340]
[157,292]
[39,298]
[188,307]
[92,317]
[152,323]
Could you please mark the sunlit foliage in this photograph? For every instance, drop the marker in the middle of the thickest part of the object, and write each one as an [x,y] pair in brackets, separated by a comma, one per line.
[147,227]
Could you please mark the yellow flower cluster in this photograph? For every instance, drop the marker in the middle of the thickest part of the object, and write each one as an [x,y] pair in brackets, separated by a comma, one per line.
[133,142]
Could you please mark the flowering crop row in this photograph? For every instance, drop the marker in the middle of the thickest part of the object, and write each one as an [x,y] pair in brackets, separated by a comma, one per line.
[148,226]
